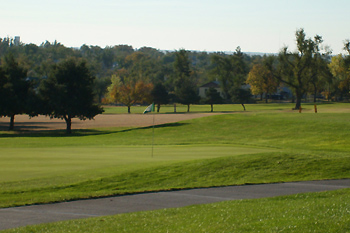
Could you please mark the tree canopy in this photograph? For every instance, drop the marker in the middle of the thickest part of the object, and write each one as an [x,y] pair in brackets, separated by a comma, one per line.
[14,89]
[213,97]
[261,81]
[307,71]
[160,95]
[296,69]
[68,93]
[185,88]
[129,90]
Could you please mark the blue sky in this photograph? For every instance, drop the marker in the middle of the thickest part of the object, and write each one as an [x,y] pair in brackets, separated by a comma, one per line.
[206,25]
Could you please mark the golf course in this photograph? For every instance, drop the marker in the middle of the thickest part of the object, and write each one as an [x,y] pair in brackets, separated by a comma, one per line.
[267,143]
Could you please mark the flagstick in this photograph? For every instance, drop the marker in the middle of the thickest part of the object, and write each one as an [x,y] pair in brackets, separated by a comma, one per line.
[152,135]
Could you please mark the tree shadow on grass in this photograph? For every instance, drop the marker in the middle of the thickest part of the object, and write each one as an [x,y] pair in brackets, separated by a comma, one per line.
[38,131]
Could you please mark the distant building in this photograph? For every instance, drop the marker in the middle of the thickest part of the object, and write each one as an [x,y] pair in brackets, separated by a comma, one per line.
[205,87]
[17,41]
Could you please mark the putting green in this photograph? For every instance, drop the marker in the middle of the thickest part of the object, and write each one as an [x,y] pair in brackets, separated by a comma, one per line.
[19,164]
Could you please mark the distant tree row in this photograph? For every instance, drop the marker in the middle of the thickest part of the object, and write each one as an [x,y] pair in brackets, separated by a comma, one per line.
[123,75]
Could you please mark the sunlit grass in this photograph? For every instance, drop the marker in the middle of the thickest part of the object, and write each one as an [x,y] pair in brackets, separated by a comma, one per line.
[267,143]
[312,212]
[322,107]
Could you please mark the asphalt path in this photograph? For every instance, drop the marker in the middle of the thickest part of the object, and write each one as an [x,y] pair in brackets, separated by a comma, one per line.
[36,214]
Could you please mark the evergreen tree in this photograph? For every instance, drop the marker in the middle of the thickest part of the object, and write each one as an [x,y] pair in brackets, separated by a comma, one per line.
[213,97]
[185,89]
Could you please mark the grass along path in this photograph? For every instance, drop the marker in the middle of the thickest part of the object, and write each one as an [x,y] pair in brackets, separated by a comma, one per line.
[311,212]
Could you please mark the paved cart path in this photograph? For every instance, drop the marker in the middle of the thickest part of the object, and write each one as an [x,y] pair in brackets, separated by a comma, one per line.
[36,214]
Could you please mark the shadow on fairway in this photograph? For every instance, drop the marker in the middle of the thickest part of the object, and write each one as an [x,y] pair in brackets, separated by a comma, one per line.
[25,130]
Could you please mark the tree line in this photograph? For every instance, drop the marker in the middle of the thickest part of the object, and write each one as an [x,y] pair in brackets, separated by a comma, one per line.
[45,79]
[66,93]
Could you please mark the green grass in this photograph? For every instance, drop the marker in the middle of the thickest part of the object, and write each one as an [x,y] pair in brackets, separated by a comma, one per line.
[239,169]
[312,212]
[25,164]
[267,143]
[37,163]
[271,107]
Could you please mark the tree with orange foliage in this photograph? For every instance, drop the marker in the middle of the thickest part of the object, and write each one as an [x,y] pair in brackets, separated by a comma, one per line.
[129,91]
[261,81]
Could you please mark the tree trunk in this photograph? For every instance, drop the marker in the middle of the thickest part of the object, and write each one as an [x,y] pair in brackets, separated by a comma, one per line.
[212,109]
[158,107]
[315,93]
[68,120]
[266,100]
[298,101]
[129,109]
[12,122]
[243,107]
[188,108]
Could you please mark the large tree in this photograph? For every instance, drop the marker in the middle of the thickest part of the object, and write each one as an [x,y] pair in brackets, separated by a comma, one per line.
[230,70]
[14,88]
[129,91]
[296,69]
[345,83]
[68,93]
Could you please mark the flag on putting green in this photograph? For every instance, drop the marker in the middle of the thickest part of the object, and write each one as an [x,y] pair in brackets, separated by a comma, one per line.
[150,108]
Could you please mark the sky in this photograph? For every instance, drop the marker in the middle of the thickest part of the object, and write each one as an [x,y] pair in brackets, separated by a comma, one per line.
[204,25]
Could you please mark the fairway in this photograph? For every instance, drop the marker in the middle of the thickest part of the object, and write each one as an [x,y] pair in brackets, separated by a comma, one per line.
[269,143]
[91,162]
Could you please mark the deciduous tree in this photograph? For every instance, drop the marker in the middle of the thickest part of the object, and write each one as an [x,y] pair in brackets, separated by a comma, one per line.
[295,68]
[261,81]
[230,70]
[68,93]
[129,91]
[14,87]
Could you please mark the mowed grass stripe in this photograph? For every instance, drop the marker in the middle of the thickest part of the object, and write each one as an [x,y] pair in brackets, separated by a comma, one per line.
[24,163]
[231,170]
